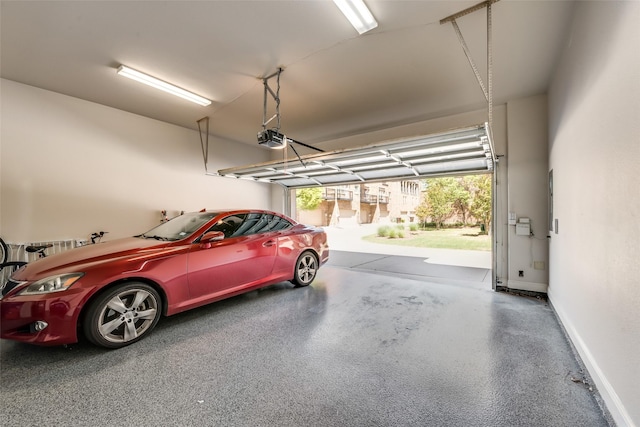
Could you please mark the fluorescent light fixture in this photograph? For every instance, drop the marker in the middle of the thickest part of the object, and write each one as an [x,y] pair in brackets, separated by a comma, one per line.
[159,84]
[358,14]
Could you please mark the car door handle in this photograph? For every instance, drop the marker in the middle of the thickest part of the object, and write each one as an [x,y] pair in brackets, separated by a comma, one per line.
[268,243]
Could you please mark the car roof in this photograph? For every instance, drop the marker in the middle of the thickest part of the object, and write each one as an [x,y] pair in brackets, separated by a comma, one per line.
[246,210]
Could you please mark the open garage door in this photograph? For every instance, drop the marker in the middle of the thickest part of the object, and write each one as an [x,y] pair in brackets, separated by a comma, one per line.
[460,151]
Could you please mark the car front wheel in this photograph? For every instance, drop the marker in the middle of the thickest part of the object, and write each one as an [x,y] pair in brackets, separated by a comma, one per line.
[123,315]
[306,269]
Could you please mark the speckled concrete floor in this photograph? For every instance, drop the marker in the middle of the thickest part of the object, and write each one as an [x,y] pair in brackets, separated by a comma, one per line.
[354,349]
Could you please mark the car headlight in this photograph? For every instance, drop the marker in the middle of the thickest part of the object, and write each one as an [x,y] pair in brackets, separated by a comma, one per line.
[56,283]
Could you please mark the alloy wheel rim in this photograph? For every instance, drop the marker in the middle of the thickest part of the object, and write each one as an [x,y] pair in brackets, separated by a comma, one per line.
[307,269]
[127,316]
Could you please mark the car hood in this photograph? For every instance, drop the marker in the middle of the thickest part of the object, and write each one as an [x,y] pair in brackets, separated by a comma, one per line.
[80,259]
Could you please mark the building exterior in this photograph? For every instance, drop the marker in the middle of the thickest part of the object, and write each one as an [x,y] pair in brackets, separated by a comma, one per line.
[384,202]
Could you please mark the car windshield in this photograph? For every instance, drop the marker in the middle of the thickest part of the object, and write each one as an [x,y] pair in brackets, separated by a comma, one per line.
[179,227]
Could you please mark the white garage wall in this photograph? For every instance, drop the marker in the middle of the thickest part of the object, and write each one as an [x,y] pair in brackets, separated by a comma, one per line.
[71,167]
[595,156]
[527,181]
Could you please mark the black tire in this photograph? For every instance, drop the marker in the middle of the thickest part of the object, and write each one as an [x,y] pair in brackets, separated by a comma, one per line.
[4,252]
[122,315]
[306,269]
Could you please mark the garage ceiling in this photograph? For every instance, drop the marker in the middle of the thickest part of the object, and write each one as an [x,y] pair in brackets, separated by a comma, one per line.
[335,83]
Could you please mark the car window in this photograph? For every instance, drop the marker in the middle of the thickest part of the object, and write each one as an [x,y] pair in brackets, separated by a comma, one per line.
[229,225]
[259,226]
[278,223]
[245,228]
[255,223]
[251,223]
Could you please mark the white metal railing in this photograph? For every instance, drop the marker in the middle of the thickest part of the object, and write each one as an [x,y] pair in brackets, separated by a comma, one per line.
[17,251]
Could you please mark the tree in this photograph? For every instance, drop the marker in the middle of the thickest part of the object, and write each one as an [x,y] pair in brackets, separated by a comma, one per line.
[462,197]
[440,198]
[308,199]
[481,205]
[422,210]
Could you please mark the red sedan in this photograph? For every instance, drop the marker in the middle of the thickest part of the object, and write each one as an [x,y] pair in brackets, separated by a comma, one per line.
[115,292]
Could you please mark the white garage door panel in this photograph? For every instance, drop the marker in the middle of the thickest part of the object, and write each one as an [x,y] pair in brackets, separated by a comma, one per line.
[466,150]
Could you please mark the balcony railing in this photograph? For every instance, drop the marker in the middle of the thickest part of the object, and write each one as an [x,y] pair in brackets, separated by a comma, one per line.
[368,198]
[383,200]
[329,194]
[337,194]
[344,194]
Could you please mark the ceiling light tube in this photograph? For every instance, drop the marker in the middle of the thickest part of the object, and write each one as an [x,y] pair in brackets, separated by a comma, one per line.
[358,14]
[164,86]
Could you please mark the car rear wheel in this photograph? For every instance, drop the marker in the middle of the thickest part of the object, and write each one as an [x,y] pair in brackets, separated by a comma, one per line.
[123,315]
[306,269]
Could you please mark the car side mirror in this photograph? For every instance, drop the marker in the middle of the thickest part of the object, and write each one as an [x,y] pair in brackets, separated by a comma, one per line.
[212,236]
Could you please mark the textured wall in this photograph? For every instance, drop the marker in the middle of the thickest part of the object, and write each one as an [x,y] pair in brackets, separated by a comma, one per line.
[527,183]
[594,142]
[71,167]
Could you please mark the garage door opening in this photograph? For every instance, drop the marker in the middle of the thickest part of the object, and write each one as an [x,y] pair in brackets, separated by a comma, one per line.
[446,222]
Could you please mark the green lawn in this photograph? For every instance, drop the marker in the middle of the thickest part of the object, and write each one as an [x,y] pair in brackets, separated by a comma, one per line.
[448,238]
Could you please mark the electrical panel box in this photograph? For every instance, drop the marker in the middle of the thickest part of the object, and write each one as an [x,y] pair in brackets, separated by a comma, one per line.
[523,229]
[512,218]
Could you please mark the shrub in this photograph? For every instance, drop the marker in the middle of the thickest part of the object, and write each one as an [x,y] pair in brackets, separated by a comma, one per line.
[393,233]
[401,234]
[413,227]
[383,231]
[400,227]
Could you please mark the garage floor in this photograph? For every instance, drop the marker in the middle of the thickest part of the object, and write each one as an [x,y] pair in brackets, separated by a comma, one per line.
[363,346]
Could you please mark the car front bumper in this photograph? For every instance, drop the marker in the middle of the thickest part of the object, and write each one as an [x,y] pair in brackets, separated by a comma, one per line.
[22,316]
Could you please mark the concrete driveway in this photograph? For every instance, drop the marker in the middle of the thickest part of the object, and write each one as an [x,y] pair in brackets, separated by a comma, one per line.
[349,239]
